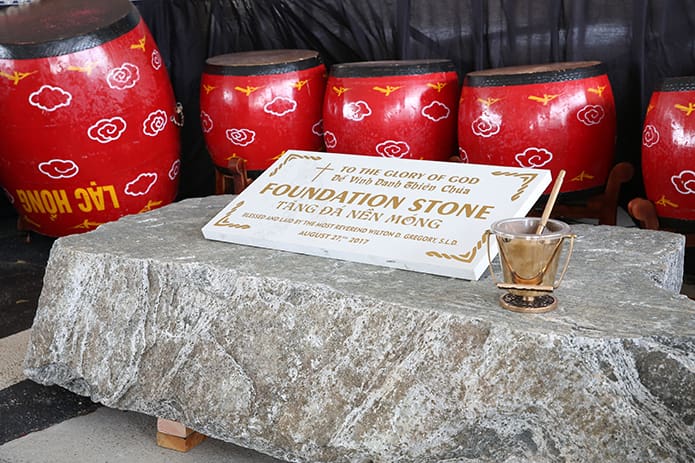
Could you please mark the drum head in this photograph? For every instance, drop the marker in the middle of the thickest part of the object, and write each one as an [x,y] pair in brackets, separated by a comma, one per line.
[677,84]
[392,68]
[56,27]
[262,62]
[535,73]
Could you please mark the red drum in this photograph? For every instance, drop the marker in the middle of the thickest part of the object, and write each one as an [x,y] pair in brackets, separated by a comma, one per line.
[256,105]
[397,109]
[555,116]
[87,123]
[668,151]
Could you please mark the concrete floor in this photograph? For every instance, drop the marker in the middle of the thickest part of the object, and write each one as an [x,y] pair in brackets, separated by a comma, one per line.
[51,425]
[115,436]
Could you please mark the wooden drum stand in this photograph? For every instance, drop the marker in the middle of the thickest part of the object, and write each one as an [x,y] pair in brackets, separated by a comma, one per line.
[234,180]
[602,206]
[644,212]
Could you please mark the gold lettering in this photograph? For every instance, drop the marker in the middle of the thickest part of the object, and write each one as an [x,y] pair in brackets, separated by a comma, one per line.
[269,186]
[24,201]
[62,202]
[86,204]
[44,201]
[112,193]
[96,195]
[483,212]
[48,202]
[35,201]
[450,208]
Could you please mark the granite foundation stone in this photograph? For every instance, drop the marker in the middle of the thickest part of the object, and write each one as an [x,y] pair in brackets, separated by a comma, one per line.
[310,359]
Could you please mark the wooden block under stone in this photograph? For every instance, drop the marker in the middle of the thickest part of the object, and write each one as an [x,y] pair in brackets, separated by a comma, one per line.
[173,428]
[181,444]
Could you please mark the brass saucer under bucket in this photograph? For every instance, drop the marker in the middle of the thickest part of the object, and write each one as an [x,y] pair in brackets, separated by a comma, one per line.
[529,262]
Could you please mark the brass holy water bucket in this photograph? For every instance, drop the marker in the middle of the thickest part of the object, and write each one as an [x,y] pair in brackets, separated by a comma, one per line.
[529,262]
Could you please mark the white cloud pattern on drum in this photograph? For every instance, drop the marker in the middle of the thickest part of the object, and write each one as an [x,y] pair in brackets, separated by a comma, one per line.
[206,122]
[317,129]
[534,157]
[393,149]
[650,136]
[156,60]
[107,130]
[156,122]
[59,168]
[174,170]
[329,139]
[49,98]
[357,111]
[123,77]
[436,111]
[280,106]
[484,126]
[241,137]
[141,185]
[684,182]
[591,114]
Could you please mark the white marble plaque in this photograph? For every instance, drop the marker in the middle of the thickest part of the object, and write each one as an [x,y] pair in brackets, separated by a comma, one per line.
[424,216]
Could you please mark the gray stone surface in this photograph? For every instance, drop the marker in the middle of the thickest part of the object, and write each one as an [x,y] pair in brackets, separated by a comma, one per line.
[316,360]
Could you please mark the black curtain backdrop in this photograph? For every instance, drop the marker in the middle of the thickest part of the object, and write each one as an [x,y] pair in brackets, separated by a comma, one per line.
[640,42]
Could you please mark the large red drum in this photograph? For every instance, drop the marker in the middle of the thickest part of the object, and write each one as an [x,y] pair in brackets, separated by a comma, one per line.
[668,151]
[555,116]
[256,105]
[398,109]
[87,130]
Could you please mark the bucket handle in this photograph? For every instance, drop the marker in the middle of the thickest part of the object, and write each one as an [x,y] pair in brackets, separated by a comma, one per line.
[571,237]
[486,237]
[556,284]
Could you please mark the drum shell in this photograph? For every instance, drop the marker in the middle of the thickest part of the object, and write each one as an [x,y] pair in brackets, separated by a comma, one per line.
[668,150]
[267,113]
[415,120]
[551,120]
[88,136]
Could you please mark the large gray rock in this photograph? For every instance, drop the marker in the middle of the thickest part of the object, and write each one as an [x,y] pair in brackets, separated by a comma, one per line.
[317,360]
